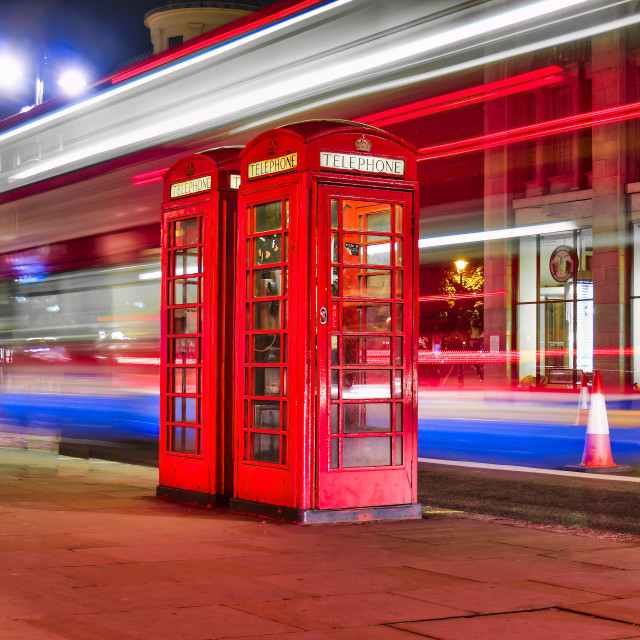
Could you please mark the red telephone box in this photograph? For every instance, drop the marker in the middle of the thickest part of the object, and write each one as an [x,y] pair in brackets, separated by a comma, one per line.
[198,271]
[326,407]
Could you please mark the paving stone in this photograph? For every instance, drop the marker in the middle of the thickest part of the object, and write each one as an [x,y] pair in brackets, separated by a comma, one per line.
[625,610]
[620,584]
[487,598]
[626,558]
[190,623]
[375,579]
[559,625]
[18,630]
[349,610]
[354,633]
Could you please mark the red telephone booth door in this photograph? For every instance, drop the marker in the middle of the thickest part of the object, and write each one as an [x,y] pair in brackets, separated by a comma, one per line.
[366,422]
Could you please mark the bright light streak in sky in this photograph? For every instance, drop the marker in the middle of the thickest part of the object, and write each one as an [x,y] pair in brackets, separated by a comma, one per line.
[497,234]
[294,85]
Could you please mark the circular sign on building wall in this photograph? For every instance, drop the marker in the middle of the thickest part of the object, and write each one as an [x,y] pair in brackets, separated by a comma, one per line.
[563,263]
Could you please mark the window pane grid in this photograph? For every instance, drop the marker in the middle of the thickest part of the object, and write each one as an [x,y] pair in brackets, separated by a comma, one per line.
[366,290]
[266,308]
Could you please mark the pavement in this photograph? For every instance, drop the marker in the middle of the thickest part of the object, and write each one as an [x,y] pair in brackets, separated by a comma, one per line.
[88,553]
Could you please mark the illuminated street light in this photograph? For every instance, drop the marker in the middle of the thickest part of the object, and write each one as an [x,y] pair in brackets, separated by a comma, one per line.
[460,265]
[72,81]
[11,72]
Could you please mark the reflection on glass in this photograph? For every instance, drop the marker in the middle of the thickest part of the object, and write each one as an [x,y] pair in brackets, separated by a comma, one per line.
[334,213]
[366,216]
[268,249]
[397,351]
[185,351]
[398,212]
[268,216]
[367,383]
[399,324]
[399,457]
[398,284]
[366,452]
[366,350]
[397,384]
[184,439]
[186,261]
[334,248]
[335,420]
[373,318]
[265,381]
[334,384]
[335,356]
[365,249]
[184,409]
[186,291]
[185,320]
[398,247]
[335,453]
[265,447]
[399,410]
[267,282]
[265,348]
[266,315]
[186,232]
[266,414]
[366,283]
[370,417]
[185,380]
[335,281]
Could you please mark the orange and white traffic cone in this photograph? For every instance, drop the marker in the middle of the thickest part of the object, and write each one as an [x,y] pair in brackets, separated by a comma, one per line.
[583,402]
[597,456]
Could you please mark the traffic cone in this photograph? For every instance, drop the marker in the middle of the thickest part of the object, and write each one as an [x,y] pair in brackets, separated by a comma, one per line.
[597,456]
[583,402]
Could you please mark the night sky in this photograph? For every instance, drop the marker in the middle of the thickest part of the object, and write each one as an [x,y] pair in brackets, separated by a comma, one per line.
[103,34]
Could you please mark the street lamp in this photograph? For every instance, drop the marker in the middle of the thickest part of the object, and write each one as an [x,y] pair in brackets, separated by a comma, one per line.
[460,266]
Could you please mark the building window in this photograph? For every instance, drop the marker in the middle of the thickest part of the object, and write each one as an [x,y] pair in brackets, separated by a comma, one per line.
[174,41]
[555,308]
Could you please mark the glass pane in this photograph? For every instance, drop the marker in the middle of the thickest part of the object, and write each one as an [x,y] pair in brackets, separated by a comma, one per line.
[374,318]
[366,452]
[366,216]
[185,351]
[265,348]
[397,352]
[265,381]
[335,421]
[368,383]
[366,283]
[267,282]
[399,410]
[334,384]
[397,384]
[268,216]
[185,380]
[399,318]
[371,417]
[184,409]
[364,249]
[335,453]
[335,281]
[399,456]
[398,284]
[398,212]
[398,247]
[334,214]
[186,262]
[334,248]
[184,439]
[185,320]
[372,350]
[268,249]
[186,232]
[335,359]
[266,315]
[265,447]
[266,414]
[186,291]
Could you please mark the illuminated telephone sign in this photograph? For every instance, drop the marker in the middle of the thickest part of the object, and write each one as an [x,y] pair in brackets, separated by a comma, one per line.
[325,411]
[198,254]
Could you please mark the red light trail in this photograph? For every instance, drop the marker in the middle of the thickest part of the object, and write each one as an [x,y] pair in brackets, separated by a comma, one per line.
[490,91]
[539,129]
[457,296]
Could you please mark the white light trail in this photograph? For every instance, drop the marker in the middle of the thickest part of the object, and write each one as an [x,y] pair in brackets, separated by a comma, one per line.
[291,86]
[497,234]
